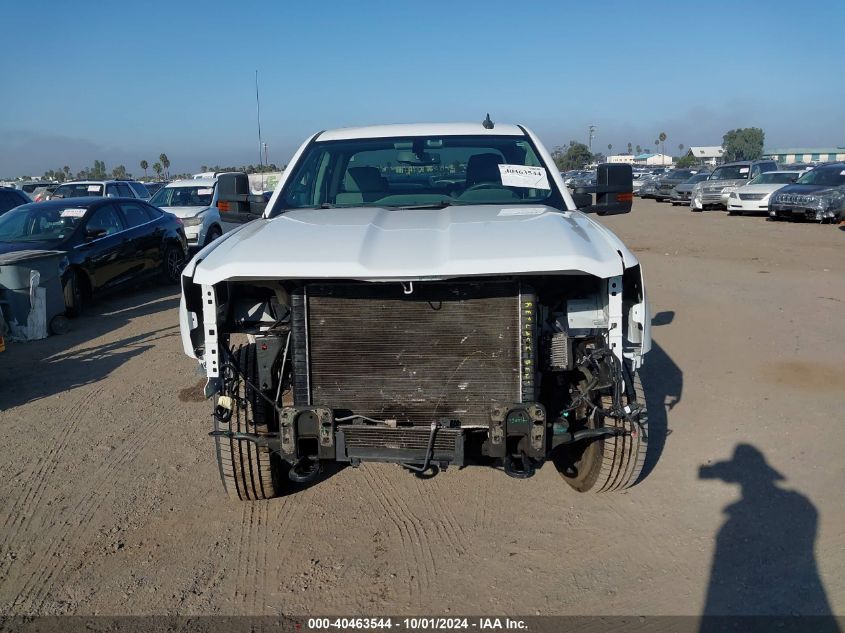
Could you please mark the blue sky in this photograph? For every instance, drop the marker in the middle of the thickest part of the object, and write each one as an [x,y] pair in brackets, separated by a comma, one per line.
[83,81]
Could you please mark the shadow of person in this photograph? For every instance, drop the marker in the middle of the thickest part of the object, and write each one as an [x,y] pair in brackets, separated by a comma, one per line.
[764,563]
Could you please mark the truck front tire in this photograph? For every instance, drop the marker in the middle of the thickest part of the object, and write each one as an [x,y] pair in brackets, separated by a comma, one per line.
[249,472]
[612,462]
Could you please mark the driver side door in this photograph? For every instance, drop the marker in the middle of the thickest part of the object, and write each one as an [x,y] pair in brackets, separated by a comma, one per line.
[104,258]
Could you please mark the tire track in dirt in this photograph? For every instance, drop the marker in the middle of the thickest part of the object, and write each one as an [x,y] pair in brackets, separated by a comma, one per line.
[412,568]
[417,535]
[65,529]
[452,529]
[417,525]
[20,512]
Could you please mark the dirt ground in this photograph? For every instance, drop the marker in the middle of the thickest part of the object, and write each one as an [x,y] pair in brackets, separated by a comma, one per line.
[110,501]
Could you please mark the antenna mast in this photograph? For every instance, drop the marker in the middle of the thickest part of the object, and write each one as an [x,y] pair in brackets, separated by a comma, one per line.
[258,113]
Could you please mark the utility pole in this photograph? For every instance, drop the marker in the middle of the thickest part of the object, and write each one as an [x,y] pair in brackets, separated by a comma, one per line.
[258,116]
[592,135]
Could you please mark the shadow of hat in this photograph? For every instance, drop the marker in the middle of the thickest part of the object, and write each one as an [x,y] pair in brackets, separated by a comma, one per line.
[750,462]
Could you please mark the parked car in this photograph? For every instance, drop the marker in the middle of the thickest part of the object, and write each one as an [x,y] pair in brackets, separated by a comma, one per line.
[667,182]
[29,186]
[43,193]
[423,325]
[108,188]
[11,198]
[194,201]
[649,188]
[754,197]
[714,191]
[641,178]
[108,242]
[819,195]
[153,187]
[682,192]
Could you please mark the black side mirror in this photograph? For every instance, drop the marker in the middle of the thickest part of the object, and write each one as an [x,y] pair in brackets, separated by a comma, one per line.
[614,191]
[93,234]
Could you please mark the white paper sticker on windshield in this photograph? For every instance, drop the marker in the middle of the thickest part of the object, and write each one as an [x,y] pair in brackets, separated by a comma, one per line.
[523,211]
[842,173]
[524,176]
[93,187]
[743,170]
[205,192]
[72,213]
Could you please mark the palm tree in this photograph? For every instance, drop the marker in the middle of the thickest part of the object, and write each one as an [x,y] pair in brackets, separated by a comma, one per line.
[662,138]
[144,165]
[609,147]
[639,149]
[157,170]
[165,162]
[66,169]
[629,147]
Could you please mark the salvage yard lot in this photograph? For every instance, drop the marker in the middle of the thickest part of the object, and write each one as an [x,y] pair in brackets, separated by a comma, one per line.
[110,500]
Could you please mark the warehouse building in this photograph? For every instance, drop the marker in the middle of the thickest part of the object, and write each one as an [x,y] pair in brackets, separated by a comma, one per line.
[653,160]
[707,154]
[789,155]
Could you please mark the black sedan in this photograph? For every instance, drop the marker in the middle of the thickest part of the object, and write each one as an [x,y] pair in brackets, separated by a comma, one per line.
[108,242]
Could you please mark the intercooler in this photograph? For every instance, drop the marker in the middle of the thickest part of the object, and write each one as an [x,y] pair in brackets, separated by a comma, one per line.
[413,353]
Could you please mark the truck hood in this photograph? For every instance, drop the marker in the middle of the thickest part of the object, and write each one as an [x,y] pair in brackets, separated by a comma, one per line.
[376,243]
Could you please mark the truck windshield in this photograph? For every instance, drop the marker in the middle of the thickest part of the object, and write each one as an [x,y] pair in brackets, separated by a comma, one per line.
[196,196]
[418,172]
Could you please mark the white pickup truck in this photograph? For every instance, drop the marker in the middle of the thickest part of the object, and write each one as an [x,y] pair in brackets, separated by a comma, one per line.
[428,295]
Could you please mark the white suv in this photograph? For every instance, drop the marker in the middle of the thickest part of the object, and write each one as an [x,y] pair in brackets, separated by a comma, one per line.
[108,188]
[194,202]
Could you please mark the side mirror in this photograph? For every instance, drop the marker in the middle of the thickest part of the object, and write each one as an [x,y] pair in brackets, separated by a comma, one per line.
[614,189]
[93,234]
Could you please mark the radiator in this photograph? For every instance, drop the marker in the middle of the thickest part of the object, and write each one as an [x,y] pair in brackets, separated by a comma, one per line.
[446,350]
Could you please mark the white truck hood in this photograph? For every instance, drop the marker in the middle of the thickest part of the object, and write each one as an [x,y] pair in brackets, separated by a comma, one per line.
[375,243]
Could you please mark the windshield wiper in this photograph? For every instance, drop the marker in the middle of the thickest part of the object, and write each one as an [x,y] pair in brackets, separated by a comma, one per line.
[435,205]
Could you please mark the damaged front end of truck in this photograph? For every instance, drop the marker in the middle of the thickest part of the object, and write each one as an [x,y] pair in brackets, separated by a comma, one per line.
[399,340]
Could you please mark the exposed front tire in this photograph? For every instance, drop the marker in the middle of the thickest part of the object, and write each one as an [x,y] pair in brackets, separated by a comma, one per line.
[612,462]
[249,472]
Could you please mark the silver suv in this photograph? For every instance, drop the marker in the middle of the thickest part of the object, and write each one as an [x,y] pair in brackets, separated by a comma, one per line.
[726,178]
[108,188]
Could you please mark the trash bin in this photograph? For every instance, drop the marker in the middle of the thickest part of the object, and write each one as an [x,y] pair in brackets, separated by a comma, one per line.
[31,296]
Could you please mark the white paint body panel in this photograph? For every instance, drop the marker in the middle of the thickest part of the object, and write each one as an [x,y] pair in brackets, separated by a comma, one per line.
[372,243]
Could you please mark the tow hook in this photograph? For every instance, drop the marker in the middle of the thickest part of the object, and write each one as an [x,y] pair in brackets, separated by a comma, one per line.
[519,466]
[304,471]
